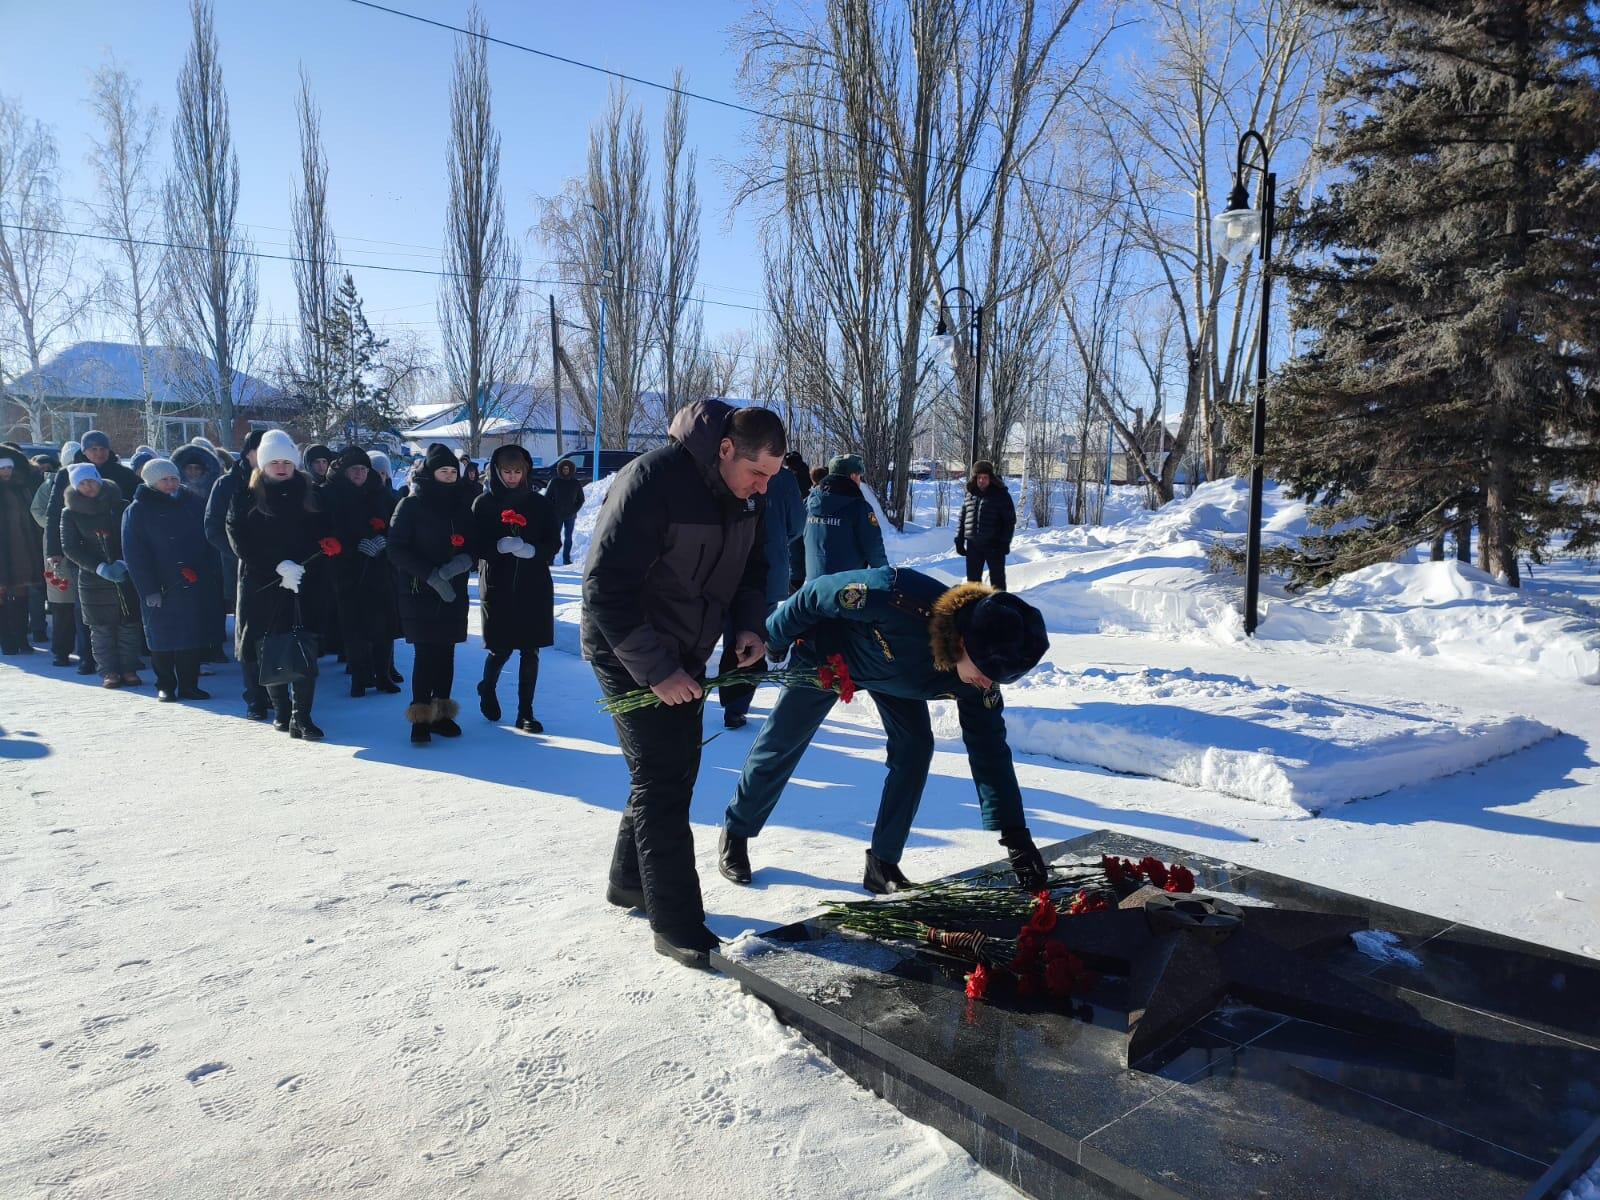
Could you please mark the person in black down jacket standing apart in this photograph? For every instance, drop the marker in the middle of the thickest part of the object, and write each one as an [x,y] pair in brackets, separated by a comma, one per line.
[680,545]
[177,574]
[517,535]
[430,547]
[988,519]
[91,535]
[565,494]
[359,508]
[276,527]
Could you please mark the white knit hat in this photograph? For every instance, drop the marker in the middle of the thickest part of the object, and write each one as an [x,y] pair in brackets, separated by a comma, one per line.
[80,473]
[278,446]
[380,463]
[159,468]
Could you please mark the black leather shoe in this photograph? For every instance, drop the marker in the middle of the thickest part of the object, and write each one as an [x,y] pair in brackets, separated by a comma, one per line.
[165,696]
[281,722]
[1026,861]
[193,693]
[733,858]
[882,877]
[256,714]
[625,897]
[387,688]
[692,948]
[734,722]
[303,728]
[529,724]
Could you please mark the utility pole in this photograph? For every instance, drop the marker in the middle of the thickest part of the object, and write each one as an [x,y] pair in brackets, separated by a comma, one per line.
[555,372]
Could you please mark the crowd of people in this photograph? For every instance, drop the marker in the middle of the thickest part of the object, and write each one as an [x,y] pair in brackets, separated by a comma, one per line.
[722,534]
[314,553]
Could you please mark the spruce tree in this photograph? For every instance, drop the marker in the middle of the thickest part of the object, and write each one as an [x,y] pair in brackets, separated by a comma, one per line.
[1447,288]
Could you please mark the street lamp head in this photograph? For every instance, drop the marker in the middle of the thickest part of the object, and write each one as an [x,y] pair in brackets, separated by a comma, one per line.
[1236,233]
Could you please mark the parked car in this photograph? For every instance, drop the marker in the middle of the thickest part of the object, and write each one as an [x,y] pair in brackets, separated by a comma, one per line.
[611,461]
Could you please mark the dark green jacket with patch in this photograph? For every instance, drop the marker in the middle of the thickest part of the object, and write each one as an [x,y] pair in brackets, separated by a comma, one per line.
[896,630]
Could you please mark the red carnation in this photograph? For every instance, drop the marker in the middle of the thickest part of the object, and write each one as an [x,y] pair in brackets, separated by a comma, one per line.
[512,517]
[1055,950]
[1154,870]
[978,982]
[1028,986]
[377,524]
[1044,916]
[1112,866]
[1179,879]
[1065,976]
[457,540]
[841,669]
[1087,902]
[189,574]
[825,678]
[331,546]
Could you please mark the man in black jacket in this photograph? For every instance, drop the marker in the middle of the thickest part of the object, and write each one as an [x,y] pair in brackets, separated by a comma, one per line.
[565,494]
[988,519]
[679,549]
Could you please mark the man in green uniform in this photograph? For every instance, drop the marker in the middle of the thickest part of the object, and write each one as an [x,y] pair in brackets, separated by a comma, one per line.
[907,638]
[842,532]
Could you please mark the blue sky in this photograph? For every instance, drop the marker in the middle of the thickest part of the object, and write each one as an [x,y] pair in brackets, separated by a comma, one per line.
[382,83]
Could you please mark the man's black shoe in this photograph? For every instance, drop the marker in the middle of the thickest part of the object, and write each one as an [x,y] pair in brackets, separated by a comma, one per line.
[692,948]
[166,697]
[625,897]
[733,721]
[1026,861]
[256,714]
[883,877]
[733,858]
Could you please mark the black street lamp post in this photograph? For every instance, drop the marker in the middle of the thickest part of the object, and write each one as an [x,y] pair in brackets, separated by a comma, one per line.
[946,342]
[1238,231]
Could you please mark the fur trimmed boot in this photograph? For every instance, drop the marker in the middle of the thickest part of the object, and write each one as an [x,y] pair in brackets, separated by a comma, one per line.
[420,715]
[444,718]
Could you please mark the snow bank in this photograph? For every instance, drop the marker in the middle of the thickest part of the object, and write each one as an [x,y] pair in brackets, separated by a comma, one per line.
[1150,574]
[1293,750]
[1586,1186]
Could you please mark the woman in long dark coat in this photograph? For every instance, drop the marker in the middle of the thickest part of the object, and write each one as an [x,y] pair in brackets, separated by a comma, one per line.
[276,527]
[91,537]
[360,507]
[518,535]
[178,575]
[430,548]
[200,468]
[21,554]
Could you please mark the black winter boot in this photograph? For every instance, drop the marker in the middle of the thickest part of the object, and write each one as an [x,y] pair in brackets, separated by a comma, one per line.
[624,896]
[691,947]
[733,858]
[1026,861]
[420,714]
[488,702]
[883,877]
[301,724]
[444,718]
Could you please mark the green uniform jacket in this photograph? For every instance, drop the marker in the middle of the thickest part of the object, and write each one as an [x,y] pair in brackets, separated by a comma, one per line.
[878,619]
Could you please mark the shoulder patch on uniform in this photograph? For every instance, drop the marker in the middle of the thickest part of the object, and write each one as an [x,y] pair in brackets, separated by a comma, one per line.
[872,517]
[853,595]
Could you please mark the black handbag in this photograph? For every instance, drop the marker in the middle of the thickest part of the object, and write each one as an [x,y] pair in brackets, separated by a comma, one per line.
[288,657]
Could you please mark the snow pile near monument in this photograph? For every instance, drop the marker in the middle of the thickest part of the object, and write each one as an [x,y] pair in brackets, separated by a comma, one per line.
[1277,745]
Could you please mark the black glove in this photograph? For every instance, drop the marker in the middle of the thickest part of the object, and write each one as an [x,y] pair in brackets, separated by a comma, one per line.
[1026,861]
[961,548]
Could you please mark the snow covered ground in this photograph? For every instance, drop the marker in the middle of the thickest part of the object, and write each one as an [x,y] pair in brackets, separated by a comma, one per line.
[243,966]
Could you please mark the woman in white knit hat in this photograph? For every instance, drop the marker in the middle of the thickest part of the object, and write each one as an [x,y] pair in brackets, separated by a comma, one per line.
[276,526]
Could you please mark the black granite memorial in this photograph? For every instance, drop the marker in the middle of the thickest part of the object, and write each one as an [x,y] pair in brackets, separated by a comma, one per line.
[1263,1037]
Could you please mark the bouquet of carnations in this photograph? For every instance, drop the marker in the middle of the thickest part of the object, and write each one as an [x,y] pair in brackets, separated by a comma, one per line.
[832,676]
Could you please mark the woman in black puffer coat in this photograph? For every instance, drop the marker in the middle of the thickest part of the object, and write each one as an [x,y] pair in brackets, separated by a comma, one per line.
[430,545]
[360,507]
[276,526]
[518,534]
[91,538]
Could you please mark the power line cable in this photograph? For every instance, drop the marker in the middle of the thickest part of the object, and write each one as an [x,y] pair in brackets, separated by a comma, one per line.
[746,109]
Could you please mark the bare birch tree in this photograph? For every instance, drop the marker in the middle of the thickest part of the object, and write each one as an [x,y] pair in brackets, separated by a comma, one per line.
[479,297]
[209,277]
[42,295]
[129,214]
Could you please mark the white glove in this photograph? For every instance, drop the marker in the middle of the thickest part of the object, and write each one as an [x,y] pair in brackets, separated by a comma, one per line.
[153,600]
[290,574]
[459,565]
[508,545]
[372,546]
[523,550]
